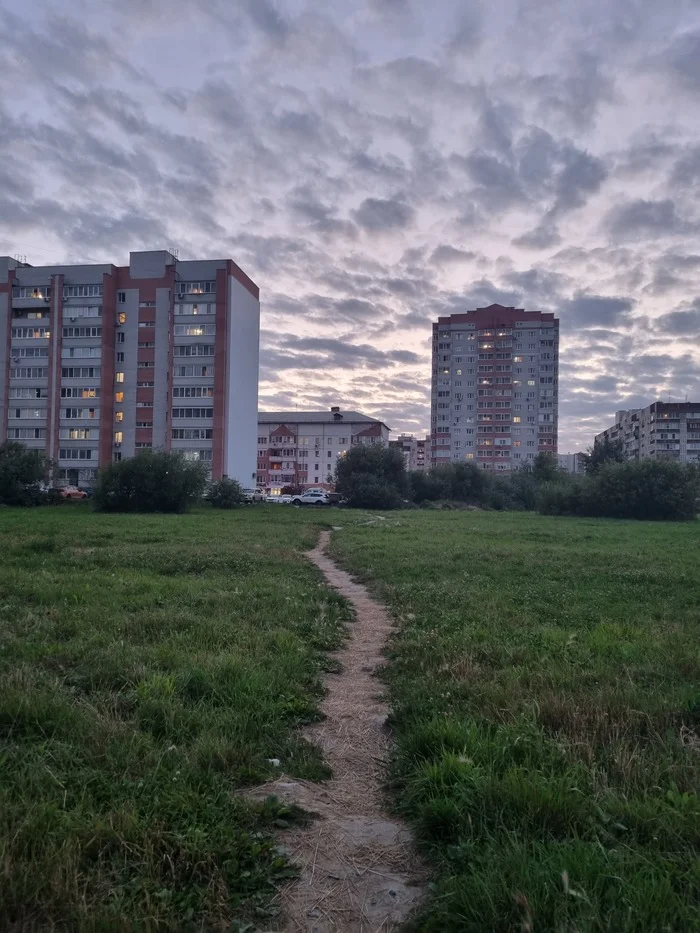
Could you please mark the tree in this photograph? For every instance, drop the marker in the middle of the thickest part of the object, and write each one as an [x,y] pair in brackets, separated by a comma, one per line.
[21,470]
[372,477]
[605,451]
[545,468]
[658,490]
[226,494]
[152,481]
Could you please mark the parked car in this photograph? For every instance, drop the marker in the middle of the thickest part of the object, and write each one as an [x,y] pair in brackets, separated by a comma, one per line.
[316,497]
[254,495]
[72,492]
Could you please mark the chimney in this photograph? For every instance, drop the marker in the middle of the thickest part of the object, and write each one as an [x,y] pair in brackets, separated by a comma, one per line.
[335,409]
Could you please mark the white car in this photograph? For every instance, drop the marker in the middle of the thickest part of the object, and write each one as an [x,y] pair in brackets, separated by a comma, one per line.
[254,495]
[311,497]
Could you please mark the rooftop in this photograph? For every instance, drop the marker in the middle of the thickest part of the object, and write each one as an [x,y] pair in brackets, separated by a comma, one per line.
[316,417]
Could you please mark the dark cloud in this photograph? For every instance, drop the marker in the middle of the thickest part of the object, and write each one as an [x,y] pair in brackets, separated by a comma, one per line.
[265,15]
[446,254]
[377,215]
[682,59]
[642,219]
[586,310]
[682,323]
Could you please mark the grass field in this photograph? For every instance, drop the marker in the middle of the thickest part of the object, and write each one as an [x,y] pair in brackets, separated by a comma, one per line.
[149,666]
[545,686]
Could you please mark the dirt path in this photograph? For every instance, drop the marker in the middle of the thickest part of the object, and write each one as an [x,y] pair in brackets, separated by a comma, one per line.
[359,873]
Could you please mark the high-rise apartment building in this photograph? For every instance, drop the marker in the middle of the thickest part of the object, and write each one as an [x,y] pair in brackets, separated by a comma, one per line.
[669,430]
[413,450]
[100,361]
[494,387]
[301,448]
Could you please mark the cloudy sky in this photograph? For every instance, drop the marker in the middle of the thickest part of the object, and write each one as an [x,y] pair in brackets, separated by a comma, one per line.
[373,164]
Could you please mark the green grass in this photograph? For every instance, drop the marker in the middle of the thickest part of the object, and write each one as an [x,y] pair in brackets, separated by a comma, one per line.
[545,687]
[149,667]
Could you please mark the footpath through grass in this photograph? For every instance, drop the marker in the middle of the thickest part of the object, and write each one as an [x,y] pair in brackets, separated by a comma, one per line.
[545,688]
[149,667]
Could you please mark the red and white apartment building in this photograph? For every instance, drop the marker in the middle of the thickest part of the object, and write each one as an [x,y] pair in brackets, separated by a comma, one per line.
[494,387]
[301,448]
[100,361]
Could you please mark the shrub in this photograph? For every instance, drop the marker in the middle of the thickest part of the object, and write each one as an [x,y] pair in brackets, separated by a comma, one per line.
[226,494]
[372,477]
[152,481]
[459,482]
[564,497]
[21,471]
[643,489]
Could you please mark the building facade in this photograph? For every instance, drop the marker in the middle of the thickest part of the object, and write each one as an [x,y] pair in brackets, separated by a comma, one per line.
[663,429]
[572,463]
[301,448]
[495,378]
[414,451]
[98,362]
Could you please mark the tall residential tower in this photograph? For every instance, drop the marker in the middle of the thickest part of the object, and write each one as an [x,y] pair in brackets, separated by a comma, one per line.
[494,387]
[100,361]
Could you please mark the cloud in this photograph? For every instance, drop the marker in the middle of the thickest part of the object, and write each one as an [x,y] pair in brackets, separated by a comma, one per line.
[641,219]
[377,215]
[682,59]
[585,310]
[682,323]
[446,254]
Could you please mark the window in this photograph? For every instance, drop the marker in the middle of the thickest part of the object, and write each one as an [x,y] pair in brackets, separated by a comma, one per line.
[118,415]
[80,412]
[120,357]
[118,396]
[80,392]
[82,291]
[197,370]
[262,440]
[205,455]
[120,336]
[121,317]
[145,384]
[118,437]
[195,288]
[194,349]
[82,331]
[193,391]
[80,352]
[29,393]
[23,434]
[119,377]
[143,445]
[192,434]
[26,413]
[144,424]
[76,434]
[198,308]
[31,291]
[121,298]
[29,372]
[146,344]
[25,333]
[29,352]
[147,323]
[193,412]
[195,330]
[81,372]
[117,457]
[76,453]
[145,365]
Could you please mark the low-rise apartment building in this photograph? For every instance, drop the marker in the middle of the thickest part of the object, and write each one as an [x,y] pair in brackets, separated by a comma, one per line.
[301,448]
[663,429]
[100,361]
[416,451]
[572,463]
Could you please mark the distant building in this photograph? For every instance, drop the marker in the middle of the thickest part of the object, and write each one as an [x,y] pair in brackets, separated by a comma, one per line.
[301,448]
[572,463]
[495,387]
[669,430]
[98,362]
[414,450]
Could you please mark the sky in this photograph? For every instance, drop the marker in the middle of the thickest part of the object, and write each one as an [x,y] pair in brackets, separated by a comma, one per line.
[375,164]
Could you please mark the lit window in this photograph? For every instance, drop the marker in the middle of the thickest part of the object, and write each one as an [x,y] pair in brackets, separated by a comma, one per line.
[118,437]
[118,415]
[121,317]
[118,396]
[119,377]
[516,419]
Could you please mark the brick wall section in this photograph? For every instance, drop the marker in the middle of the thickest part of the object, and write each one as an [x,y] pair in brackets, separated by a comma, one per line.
[7,289]
[107,388]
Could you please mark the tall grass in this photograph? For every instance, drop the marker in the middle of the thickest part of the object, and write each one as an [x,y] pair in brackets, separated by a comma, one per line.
[149,667]
[545,685]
